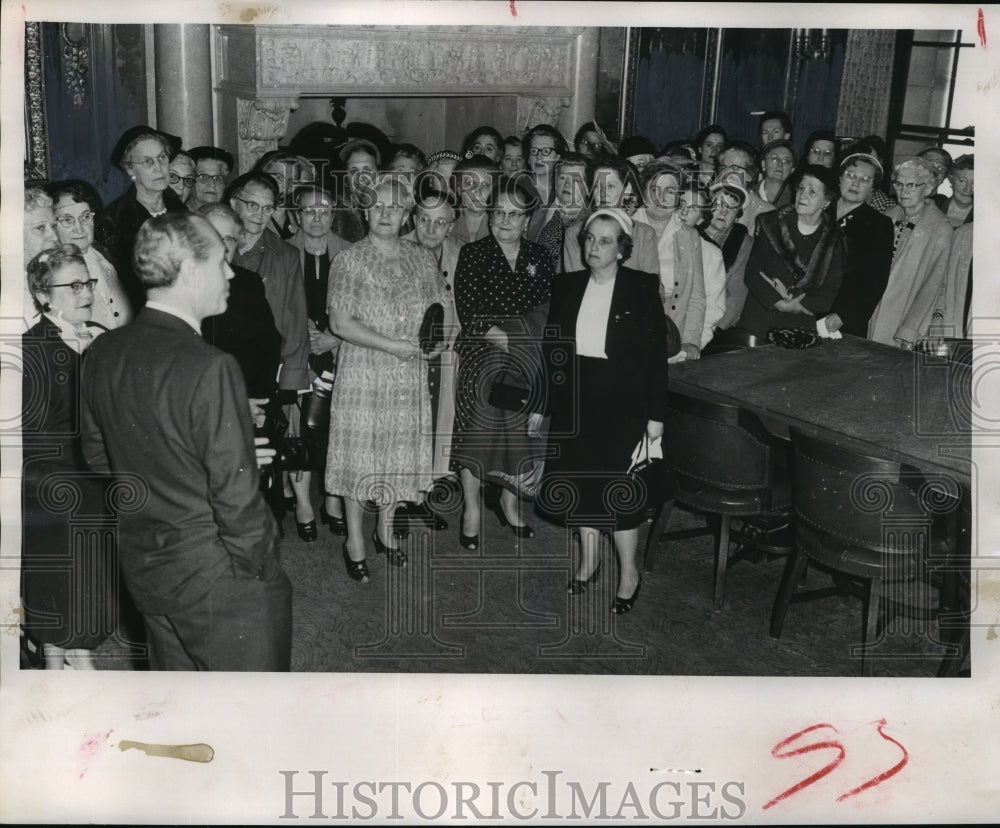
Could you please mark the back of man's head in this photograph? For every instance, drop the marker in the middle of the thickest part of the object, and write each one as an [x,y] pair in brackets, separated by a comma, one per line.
[165,242]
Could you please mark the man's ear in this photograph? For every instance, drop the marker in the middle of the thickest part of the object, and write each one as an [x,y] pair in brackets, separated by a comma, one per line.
[186,274]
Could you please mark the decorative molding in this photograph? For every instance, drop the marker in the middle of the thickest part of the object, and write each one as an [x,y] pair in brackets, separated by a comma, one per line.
[130,58]
[631,74]
[36,162]
[76,61]
[468,60]
[262,123]
[710,84]
[534,111]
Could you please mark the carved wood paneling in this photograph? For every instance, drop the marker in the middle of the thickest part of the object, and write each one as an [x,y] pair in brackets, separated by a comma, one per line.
[36,162]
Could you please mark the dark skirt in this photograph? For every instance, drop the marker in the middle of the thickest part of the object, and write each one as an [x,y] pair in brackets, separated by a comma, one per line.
[69,572]
[586,482]
[491,442]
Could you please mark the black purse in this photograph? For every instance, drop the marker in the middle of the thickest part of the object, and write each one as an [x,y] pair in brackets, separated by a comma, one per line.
[432,328]
[509,397]
[651,473]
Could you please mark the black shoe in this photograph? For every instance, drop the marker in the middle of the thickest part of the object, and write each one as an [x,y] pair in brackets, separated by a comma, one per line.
[357,570]
[423,513]
[624,605]
[307,531]
[338,526]
[578,587]
[519,531]
[395,555]
[470,542]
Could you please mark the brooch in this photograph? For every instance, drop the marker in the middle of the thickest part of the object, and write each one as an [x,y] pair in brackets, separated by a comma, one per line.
[532,270]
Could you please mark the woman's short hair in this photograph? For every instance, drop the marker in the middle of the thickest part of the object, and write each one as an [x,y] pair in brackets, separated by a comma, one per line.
[409,151]
[79,192]
[550,131]
[963,162]
[164,242]
[35,197]
[316,190]
[626,171]
[824,175]
[478,133]
[512,141]
[705,131]
[220,208]
[923,168]
[624,238]
[41,268]
[477,162]
[261,179]
[183,156]
[775,115]
[399,189]
[518,189]
[767,149]
[657,167]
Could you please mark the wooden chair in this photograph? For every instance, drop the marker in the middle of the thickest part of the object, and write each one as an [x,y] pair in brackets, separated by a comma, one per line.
[723,462]
[870,519]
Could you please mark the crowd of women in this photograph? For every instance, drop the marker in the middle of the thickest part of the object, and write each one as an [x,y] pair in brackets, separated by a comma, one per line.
[498,320]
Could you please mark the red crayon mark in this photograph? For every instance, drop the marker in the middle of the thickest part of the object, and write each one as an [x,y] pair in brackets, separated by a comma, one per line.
[878,780]
[980,27]
[776,752]
[513,9]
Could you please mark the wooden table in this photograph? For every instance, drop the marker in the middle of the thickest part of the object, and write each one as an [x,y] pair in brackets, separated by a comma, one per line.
[871,398]
[867,397]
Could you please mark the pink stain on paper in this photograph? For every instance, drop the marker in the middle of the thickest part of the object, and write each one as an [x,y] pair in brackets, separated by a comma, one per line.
[513,8]
[90,748]
[980,28]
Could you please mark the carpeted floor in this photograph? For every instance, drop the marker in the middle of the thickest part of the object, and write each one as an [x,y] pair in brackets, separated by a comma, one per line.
[504,609]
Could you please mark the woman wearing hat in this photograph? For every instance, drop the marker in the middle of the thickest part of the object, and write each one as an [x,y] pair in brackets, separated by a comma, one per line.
[728,198]
[868,239]
[484,140]
[797,261]
[502,287]
[144,155]
[607,386]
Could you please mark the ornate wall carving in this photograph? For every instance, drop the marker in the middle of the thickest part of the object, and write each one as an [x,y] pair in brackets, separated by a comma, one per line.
[76,62]
[262,123]
[534,111]
[36,162]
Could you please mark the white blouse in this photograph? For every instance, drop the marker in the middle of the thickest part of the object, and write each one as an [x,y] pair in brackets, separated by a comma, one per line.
[592,321]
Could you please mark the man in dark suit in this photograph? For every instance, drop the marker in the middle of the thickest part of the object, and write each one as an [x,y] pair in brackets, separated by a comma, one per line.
[200,555]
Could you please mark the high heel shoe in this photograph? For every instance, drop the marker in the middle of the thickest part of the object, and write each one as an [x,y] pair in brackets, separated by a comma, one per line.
[307,531]
[470,542]
[395,556]
[624,605]
[338,526]
[423,513]
[578,587]
[519,531]
[356,570]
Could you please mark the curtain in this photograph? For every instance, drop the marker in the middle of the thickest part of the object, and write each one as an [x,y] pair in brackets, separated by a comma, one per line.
[867,83]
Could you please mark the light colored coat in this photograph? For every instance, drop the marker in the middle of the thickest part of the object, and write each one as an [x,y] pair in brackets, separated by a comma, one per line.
[915,280]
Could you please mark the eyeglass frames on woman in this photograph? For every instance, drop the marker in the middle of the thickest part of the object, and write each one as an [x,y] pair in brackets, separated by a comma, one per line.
[437,224]
[545,152]
[850,175]
[187,179]
[77,287]
[316,212]
[68,222]
[907,186]
[254,207]
[150,161]
[204,178]
[504,215]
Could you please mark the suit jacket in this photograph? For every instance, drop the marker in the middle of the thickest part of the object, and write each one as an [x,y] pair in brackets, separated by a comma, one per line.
[277,264]
[161,403]
[247,331]
[635,342]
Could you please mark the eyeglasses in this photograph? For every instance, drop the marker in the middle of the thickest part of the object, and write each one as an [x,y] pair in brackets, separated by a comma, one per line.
[78,287]
[204,178]
[253,207]
[504,215]
[437,224]
[907,186]
[149,162]
[687,208]
[545,152]
[68,222]
[850,175]
[722,205]
[316,212]
[593,145]
[187,179]
[778,160]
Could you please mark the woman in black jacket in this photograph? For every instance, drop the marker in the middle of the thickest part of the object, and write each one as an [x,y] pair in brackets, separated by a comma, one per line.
[606,388]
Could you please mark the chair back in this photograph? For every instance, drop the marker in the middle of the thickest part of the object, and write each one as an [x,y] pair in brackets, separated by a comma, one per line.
[722,457]
[858,506]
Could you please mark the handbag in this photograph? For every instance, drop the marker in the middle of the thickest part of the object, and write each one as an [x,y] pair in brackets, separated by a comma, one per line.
[432,328]
[648,469]
[509,397]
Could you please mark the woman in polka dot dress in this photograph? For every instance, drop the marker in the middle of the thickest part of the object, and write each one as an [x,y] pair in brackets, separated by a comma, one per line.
[502,288]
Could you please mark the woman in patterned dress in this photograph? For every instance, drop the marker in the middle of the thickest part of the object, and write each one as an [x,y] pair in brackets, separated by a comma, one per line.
[502,288]
[380,419]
